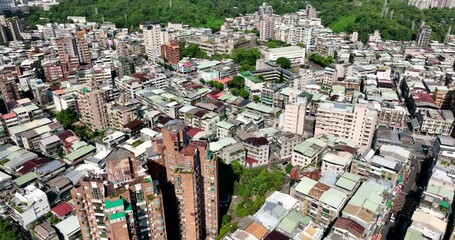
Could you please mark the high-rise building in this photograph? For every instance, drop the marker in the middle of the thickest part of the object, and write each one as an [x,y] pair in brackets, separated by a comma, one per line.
[83,52]
[8,87]
[294,118]
[91,106]
[267,28]
[154,37]
[193,172]
[171,53]
[120,204]
[423,37]
[354,122]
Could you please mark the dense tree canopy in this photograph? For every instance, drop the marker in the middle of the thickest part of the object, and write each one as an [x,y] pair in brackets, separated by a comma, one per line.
[246,58]
[283,62]
[8,231]
[320,60]
[341,15]
[67,117]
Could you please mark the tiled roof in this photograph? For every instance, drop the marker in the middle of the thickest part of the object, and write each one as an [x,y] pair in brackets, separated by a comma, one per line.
[350,226]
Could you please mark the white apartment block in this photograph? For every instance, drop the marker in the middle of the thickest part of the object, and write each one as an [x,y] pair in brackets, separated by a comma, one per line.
[154,37]
[425,4]
[354,122]
[267,28]
[294,118]
[27,205]
[294,53]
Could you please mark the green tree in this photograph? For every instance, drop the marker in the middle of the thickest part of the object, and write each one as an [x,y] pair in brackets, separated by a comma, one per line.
[193,51]
[67,117]
[246,57]
[238,82]
[235,91]
[283,62]
[289,168]
[8,231]
[256,98]
[244,93]
[216,85]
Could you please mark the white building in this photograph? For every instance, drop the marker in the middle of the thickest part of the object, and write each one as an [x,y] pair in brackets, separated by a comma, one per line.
[28,204]
[294,53]
[354,122]
[309,151]
[294,118]
[154,37]
[258,151]
[337,161]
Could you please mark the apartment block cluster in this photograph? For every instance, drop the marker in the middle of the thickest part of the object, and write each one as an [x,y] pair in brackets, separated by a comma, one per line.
[141,159]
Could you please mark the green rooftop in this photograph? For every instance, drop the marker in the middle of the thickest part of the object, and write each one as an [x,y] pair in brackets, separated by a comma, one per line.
[412,234]
[70,158]
[113,204]
[291,221]
[333,197]
[251,77]
[368,196]
[24,179]
[311,146]
[117,216]
[225,125]
[305,185]
[440,191]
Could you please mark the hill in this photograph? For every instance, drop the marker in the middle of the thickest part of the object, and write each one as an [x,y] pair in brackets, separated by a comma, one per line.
[341,15]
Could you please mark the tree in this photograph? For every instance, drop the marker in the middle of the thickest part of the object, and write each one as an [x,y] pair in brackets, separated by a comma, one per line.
[193,51]
[283,62]
[244,93]
[9,231]
[320,60]
[256,98]
[289,168]
[216,85]
[235,91]
[67,117]
[238,82]
[246,57]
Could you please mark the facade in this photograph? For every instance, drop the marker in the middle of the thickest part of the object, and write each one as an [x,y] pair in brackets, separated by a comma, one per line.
[336,161]
[258,149]
[294,118]
[283,144]
[356,123]
[393,116]
[120,204]
[294,53]
[92,108]
[435,121]
[171,53]
[193,171]
[267,28]
[423,36]
[154,37]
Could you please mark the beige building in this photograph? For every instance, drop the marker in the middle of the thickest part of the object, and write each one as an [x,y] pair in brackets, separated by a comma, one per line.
[435,121]
[309,151]
[354,122]
[92,108]
[154,37]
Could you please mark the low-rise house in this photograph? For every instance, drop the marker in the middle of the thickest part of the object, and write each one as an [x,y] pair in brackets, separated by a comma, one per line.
[283,144]
[336,161]
[50,146]
[319,201]
[428,224]
[50,170]
[234,152]
[80,151]
[45,231]
[257,149]
[28,205]
[69,228]
[5,181]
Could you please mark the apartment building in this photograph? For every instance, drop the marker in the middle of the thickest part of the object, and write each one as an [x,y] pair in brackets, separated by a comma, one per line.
[91,106]
[283,144]
[309,151]
[171,53]
[435,122]
[257,150]
[193,171]
[50,146]
[8,86]
[27,205]
[267,28]
[122,112]
[354,122]
[392,115]
[120,204]
[294,118]
[234,152]
[319,201]
[154,37]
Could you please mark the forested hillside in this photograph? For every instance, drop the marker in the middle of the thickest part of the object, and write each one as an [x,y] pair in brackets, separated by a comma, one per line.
[341,15]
